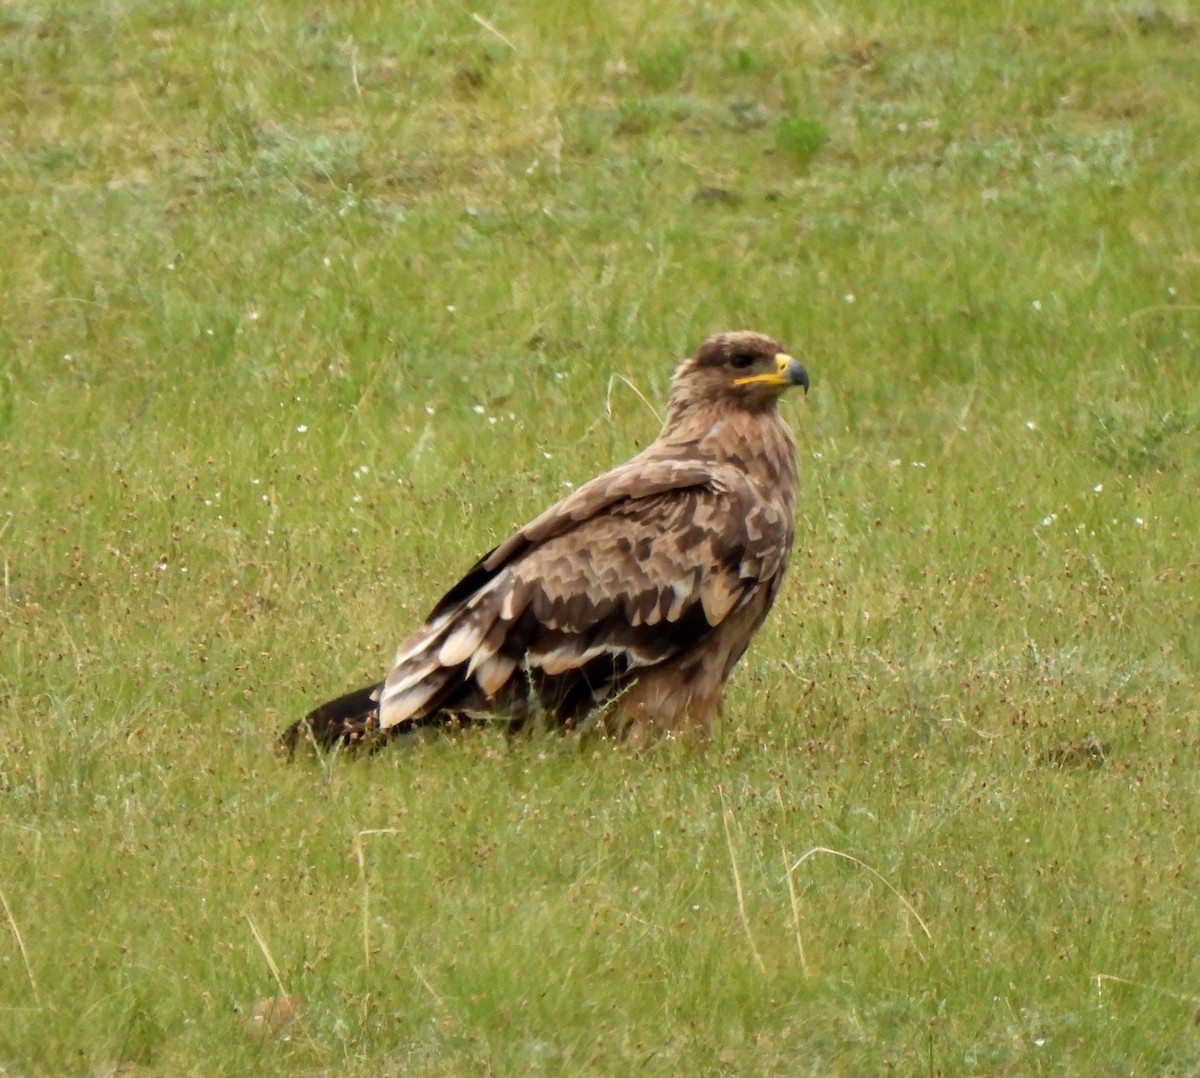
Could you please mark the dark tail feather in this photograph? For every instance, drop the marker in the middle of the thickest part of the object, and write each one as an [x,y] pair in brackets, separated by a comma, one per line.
[352,719]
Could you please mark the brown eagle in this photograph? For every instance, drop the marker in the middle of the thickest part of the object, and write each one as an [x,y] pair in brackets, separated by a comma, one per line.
[643,587]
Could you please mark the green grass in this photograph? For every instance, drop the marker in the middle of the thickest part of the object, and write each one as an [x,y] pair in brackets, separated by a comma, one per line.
[305,307]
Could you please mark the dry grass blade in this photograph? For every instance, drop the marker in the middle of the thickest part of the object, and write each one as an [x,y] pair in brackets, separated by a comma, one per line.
[1158,308]
[637,393]
[793,897]
[262,946]
[12,924]
[360,857]
[862,864]
[492,30]
[726,814]
[1102,978]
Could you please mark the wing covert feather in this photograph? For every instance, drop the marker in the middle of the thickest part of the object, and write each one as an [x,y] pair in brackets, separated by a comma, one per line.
[652,559]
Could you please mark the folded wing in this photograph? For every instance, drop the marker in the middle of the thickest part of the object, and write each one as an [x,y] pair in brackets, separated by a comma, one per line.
[629,571]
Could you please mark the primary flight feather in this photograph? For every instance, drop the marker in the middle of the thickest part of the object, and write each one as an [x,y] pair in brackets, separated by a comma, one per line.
[643,587]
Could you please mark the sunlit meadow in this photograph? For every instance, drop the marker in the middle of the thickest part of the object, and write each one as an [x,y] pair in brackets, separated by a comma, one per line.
[307,305]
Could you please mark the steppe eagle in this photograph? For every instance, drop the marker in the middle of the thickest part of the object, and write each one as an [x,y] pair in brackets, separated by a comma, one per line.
[642,588]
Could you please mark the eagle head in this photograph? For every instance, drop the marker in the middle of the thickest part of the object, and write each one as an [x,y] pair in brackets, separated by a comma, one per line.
[742,368]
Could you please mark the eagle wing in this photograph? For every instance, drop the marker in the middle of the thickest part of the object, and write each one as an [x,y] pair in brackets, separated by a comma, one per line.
[627,572]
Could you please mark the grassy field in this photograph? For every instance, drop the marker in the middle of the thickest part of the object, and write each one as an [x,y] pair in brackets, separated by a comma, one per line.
[305,306]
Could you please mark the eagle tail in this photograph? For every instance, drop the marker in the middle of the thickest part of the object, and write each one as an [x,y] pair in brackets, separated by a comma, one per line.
[352,719]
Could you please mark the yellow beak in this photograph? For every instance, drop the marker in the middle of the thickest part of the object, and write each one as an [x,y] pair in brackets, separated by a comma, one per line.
[787,372]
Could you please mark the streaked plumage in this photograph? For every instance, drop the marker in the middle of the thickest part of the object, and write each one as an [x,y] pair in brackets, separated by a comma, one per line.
[642,587]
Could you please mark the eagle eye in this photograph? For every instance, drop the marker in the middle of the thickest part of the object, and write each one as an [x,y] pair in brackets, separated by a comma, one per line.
[741,361]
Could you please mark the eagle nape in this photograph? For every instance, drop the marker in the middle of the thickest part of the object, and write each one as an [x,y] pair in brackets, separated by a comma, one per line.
[636,594]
